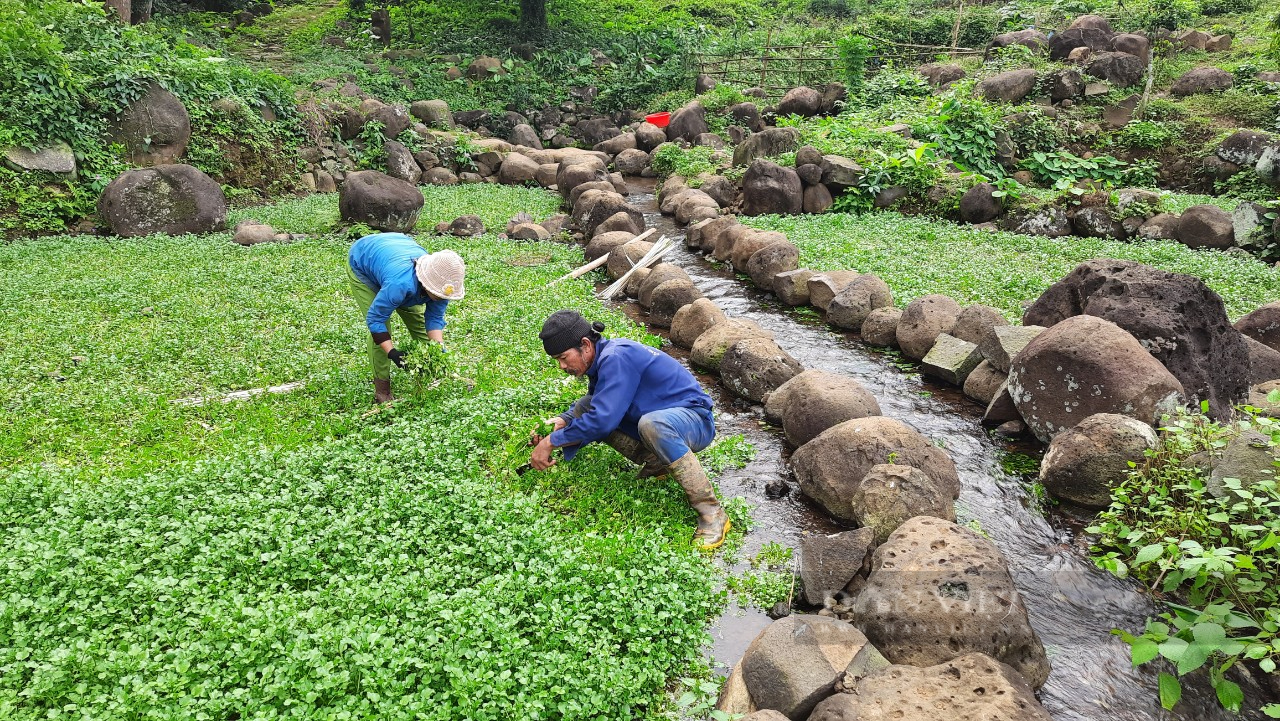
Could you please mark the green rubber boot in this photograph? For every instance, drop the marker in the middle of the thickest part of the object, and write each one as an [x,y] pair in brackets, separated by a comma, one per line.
[713,522]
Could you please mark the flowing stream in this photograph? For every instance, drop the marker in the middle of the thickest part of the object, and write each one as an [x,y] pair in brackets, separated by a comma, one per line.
[1073,605]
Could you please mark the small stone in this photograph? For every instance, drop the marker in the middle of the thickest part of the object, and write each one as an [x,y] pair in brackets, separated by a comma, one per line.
[951,359]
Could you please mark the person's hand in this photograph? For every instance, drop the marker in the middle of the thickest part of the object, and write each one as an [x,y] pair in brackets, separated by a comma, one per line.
[397,356]
[557,423]
[541,458]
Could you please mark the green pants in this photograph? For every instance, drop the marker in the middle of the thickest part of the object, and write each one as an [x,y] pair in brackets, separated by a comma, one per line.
[412,316]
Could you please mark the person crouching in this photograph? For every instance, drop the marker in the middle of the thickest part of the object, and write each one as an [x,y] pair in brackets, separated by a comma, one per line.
[641,402]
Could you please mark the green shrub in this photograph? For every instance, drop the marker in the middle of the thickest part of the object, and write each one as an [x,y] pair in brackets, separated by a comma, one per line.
[1061,169]
[686,162]
[965,128]
[1166,529]
[1214,8]
[854,51]
[1153,15]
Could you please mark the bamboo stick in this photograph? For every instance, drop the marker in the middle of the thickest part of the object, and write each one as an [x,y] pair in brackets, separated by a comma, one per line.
[583,270]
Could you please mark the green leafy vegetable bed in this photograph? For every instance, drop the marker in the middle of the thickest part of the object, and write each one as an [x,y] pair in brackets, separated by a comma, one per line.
[293,555]
[917,256]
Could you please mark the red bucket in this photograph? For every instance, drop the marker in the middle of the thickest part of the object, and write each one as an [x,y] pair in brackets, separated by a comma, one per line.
[659,119]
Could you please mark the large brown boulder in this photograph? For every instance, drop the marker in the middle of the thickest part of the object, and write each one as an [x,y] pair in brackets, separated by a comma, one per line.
[850,307]
[769,261]
[1177,318]
[749,244]
[705,237]
[605,206]
[623,257]
[979,204]
[1206,226]
[1262,325]
[796,661]
[754,367]
[975,322]
[517,169]
[984,382]
[1120,69]
[831,466]
[792,286]
[728,241]
[923,320]
[690,321]
[939,74]
[770,188]
[938,591]
[1264,361]
[1031,39]
[154,129]
[709,349]
[603,243]
[1202,80]
[379,201]
[973,687]
[1086,365]
[1010,86]
[830,564]
[815,400]
[172,199]
[823,287]
[688,122]
[1085,463]
[803,101]
[768,143]
[578,169]
[1061,44]
[891,494]
[881,327]
[668,298]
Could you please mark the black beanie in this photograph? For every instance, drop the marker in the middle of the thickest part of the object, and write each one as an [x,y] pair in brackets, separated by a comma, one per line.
[565,329]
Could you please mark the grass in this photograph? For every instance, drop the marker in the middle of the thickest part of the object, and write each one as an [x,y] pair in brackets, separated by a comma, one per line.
[917,256]
[290,555]
[104,333]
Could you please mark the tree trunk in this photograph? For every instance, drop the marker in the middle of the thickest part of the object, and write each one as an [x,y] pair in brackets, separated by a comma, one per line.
[121,8]
[142,11]
[533,15]
[380,20]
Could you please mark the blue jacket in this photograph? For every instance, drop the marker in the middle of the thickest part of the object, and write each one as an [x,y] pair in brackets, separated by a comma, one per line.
[627,380]
[384,262]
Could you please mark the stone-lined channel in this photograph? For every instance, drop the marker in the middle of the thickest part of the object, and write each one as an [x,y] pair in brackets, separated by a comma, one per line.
[1073,605]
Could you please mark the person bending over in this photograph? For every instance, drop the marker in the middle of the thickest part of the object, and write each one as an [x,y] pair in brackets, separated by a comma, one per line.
[389,273]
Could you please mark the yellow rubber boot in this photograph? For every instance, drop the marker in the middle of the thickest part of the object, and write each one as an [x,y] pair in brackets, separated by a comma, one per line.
[713,522]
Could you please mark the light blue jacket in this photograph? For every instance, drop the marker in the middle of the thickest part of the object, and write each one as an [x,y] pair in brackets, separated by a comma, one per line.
[384,262]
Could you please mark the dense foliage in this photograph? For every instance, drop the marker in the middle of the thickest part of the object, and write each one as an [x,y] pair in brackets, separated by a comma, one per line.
[1217,551]
[67,70]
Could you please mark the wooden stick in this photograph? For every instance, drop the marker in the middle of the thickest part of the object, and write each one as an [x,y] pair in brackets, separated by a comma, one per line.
[658,250]
[583,270]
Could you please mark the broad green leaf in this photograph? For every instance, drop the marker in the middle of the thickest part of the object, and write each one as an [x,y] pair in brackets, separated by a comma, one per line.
[1143,650]
[1170,691]
[1229,694]
[1173,648]
[1147,554]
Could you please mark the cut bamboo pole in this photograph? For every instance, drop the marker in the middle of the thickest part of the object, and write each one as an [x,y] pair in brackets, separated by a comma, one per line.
[658,250]
[583,270]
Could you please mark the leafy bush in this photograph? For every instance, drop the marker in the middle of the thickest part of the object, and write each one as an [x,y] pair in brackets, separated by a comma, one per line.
[888,85]
[689,162]
[1063,168]
[1148,134]
[1214,8]
[854,51]
[965,129]
[1153,15]
[1166,529]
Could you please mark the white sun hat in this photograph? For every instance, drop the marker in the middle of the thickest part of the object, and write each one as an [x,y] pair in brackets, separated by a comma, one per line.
[441,274]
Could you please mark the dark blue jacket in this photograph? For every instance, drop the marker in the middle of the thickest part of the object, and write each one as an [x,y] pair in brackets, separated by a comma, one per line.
[627,380]
[384,262]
